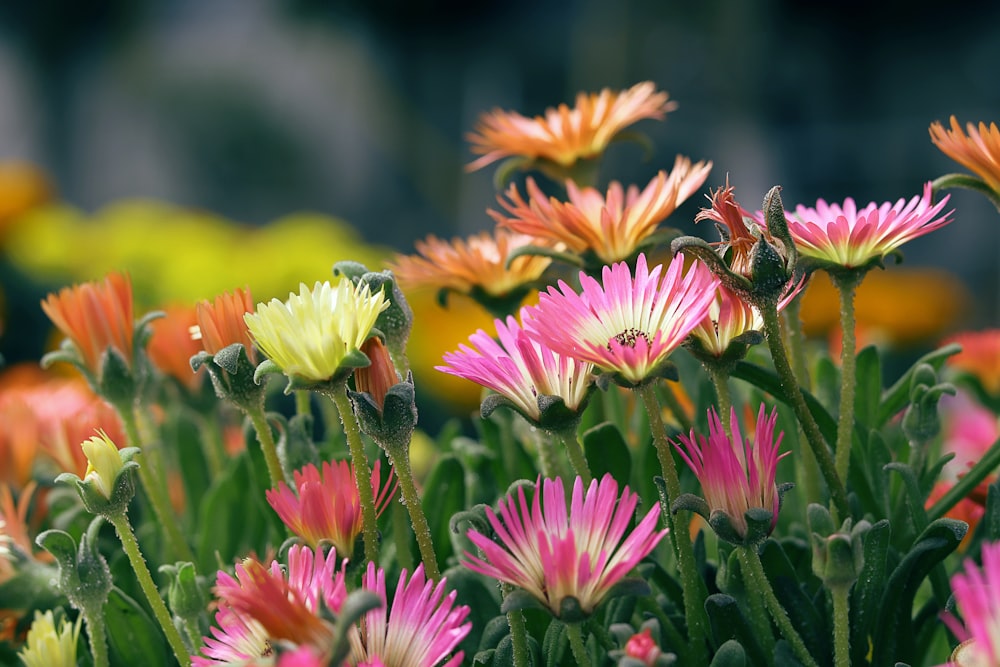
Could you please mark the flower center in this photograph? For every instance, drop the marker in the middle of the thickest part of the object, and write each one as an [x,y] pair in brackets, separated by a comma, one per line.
[629,337]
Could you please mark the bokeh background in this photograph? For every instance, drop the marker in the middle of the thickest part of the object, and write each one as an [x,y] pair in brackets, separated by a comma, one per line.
[208,144]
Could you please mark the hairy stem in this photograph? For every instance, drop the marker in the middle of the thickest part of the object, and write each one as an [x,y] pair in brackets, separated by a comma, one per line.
[422,530]
[266,440]
[571,442]
[577,646]
[848,374]
[841,626]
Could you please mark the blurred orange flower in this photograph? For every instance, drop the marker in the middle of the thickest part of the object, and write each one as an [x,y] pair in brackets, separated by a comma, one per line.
[95,316]
[978,151]
[613,226]
[980,357]
[565,135]
[171,346]
[221,323]
[464,265]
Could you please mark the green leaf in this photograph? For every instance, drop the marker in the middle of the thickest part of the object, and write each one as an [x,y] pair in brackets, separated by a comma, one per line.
[606,451]
[729,623]
[868,589]
[555,644]
[768,381]
[472,590]
[790,589]
[730,654]
[868,390]
[894,623]
[443,496]
[133,637]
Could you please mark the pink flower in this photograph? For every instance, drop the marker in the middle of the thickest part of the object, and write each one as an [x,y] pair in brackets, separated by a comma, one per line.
[976,596]
[736,475]
[520,369]
[643,647]
[327,507]
[555,553]
[262,603]
[624,325]
[728,317]
[845,235]
[421,629]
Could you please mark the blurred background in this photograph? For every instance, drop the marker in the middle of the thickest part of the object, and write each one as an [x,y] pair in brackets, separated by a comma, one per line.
[208,144]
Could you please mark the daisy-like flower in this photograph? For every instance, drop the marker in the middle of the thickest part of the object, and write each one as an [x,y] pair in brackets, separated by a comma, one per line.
[980,357]
[95,316]
[220,322]
[736,475]
[171,347]
[48,646]
[420,629]
[235,638]
[612,227]
[327,507]
[520,369]
[739,240]
[728,318]
[478,263]
[555,552]
[262,602]
[317,332]
[978,149]
[848,237]
[975,592]
[565,135]
[624,325]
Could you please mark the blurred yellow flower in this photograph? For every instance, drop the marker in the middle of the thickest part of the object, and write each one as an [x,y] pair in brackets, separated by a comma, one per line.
[901,306]
[49,647]
[22,187]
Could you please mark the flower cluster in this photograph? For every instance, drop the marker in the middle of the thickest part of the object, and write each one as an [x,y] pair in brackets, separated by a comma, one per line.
[653,375]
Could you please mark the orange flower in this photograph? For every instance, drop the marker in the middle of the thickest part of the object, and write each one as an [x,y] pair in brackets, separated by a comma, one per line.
[220,322]
[980,357]
[378,378]
[566,135]
[18,437]
[95,316]
[68,413]
[171,346]
[979,151]
[726,211]
[464,265]
[613,226]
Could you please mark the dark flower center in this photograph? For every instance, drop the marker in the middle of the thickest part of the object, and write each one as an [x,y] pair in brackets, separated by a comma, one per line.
[629,337]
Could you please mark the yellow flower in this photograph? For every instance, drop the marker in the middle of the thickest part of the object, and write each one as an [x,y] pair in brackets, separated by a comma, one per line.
[566,135]
[103,463]
[313,333]
[48,647]
[979,151]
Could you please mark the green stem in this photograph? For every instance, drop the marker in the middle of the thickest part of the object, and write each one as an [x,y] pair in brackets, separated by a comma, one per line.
[721,381]
[841,626]
[131,547]
[759,619]
[546,455]
[577,646]
[362,471]
[571,443]
[772,331]
[401,536]
[518,632]
[212,444]
[757,581]
[156,492]
[266,440]
[848,373]
[694,594]
[404,473]
[97,636]
[302,397]
[807,468]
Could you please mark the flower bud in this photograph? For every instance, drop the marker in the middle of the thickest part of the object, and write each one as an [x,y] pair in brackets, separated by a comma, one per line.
[108,485]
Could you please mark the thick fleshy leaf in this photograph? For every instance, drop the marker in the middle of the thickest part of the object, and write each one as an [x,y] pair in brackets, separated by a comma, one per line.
[607,452]
[133,637]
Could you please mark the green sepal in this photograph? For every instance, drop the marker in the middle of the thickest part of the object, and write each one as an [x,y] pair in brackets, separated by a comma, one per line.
[968,182]
[777,223]
[722,524]
[819,520]
[116,382]
[895,398]
[233,376]
[392,427]
[69,353]
[922,421]
[122,491]
[641,139]
[187,593]
[500,305]
[519,599]
[506,168]
[737,350]
[702,250]
[570,258]
[660,238]
[351,613]
[769,273]
[84,576]
[691,503]
[266,367]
